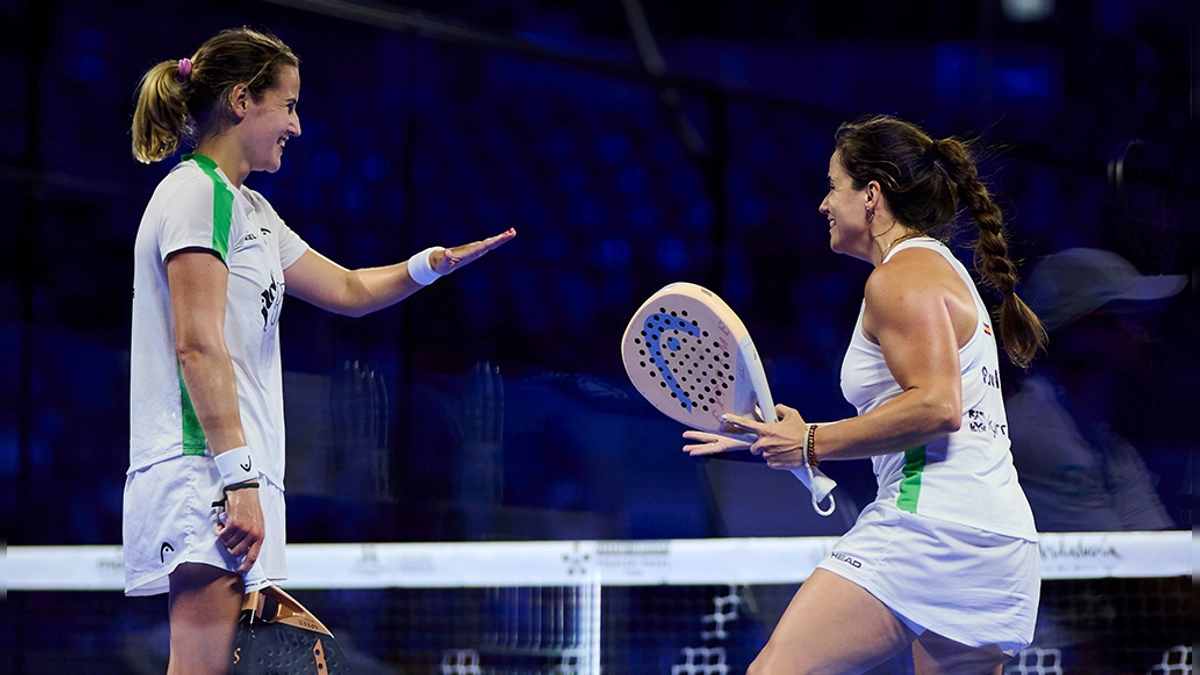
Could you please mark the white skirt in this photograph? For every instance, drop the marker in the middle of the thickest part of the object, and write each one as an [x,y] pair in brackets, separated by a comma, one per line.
[975,587]
[170,520]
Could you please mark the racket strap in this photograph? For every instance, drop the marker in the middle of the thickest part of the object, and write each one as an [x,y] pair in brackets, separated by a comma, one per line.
[220,503]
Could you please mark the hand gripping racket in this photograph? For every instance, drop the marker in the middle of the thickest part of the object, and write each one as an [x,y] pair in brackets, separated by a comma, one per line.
[277,636]
[690,355]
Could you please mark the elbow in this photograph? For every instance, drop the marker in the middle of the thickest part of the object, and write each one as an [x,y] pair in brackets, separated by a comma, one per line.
[947,416]
[191,351]
[353,299]
[934,411]
[950,424]
[940,413]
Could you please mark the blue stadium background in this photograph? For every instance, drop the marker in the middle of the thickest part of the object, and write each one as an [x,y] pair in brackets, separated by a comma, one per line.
[493,405]
[414,138]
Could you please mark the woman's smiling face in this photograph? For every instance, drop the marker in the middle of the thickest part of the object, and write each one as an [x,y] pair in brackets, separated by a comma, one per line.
[272,121]
[845,207]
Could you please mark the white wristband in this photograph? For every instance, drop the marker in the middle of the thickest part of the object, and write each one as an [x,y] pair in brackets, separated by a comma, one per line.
[236,466]
[419,268]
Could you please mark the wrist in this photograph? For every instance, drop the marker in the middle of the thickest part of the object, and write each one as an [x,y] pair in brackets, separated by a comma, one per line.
[419,268]
[236,466]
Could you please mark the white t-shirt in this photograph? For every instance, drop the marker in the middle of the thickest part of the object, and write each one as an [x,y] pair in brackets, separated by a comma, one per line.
[195,206]
[967,476]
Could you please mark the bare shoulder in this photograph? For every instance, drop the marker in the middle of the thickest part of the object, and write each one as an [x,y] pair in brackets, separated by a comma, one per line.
[912,270]
[918,282]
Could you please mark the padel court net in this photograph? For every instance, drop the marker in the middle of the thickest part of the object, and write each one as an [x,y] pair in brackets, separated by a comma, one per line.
[1111,603]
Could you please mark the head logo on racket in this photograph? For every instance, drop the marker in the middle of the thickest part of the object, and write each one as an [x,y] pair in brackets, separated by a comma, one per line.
[693,365]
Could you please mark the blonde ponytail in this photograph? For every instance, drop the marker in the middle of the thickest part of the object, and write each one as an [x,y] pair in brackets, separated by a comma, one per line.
[160,118]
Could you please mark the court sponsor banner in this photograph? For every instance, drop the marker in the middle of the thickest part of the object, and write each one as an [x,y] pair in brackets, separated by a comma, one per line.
[1094,555]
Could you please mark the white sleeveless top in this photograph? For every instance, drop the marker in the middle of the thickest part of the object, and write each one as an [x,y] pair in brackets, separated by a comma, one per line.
[967,476]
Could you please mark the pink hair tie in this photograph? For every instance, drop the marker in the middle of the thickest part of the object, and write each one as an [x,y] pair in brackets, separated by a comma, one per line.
[185,68]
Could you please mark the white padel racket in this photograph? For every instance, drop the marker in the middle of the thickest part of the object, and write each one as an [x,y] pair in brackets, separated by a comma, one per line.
[690,356]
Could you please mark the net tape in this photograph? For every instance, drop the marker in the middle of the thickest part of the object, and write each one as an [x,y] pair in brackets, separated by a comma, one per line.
[677,562]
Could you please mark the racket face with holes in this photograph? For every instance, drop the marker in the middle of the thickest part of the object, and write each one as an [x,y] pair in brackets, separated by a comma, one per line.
[691,357]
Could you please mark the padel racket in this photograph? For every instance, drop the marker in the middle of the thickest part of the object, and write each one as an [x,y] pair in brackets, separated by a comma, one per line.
[277,636]
[690,356]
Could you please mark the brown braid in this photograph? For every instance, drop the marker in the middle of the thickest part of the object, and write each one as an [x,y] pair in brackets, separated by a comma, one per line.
[1020,329]
[924,180]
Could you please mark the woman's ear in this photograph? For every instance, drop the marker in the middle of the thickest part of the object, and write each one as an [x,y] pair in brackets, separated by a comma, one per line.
[872,192]
[239,100]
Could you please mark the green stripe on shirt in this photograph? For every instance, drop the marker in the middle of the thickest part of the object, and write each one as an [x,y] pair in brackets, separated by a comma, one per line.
[222,204]
[194,440]
[910,486]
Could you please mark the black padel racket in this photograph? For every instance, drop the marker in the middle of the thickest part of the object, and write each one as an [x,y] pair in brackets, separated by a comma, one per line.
[277,636]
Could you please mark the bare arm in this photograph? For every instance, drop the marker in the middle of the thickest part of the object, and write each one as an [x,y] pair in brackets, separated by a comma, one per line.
[322,282]
[198,281]
[919,313]
[914,312]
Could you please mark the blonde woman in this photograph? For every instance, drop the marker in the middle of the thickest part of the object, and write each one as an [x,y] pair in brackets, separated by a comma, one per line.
[213,261]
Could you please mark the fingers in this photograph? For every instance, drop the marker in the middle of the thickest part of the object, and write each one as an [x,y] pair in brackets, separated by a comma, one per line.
[784,460]
[499,239]
[251,557]
[238,540]
[243,530]
[704,443]
[241,544]
[788,414]
[738,424]
[459,256]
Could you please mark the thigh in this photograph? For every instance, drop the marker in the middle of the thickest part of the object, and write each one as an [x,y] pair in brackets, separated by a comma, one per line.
[832,626]
[937,655]
[203,612]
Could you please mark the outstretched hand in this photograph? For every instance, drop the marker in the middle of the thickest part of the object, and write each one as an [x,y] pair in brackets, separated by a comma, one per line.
[780,443]
[445,262]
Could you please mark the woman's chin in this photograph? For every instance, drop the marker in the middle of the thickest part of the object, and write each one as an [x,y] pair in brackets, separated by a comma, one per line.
[835,244]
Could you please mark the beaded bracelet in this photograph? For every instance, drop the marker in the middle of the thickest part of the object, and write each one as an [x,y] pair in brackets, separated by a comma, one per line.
[810,451]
